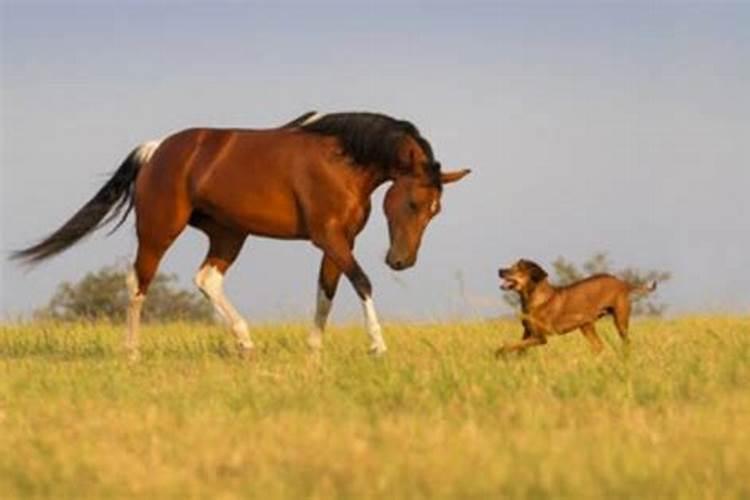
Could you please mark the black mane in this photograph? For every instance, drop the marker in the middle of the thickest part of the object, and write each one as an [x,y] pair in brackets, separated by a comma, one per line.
[371,139]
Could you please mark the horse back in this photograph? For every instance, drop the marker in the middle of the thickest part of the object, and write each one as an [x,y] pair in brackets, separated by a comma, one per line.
[264,182]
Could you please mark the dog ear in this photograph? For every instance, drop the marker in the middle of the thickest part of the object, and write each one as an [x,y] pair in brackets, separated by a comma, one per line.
[536,273]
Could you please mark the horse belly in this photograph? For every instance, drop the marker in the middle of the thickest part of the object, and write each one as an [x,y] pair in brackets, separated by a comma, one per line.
[254,206]
[255,212]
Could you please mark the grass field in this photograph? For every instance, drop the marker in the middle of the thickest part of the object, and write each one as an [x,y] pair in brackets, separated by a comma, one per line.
[438,417]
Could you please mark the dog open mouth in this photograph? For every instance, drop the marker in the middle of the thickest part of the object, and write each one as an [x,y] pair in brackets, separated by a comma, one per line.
[508,284]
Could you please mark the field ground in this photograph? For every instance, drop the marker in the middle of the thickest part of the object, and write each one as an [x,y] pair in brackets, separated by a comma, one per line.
[439,417]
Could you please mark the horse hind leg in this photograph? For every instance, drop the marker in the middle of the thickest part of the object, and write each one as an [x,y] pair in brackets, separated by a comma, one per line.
[135,304]
[224,246]
[138,281]
[157,228]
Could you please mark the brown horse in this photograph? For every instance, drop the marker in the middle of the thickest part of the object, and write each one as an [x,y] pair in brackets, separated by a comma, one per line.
[310,179]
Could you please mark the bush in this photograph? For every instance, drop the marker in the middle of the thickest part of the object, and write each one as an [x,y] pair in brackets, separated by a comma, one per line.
[103,295]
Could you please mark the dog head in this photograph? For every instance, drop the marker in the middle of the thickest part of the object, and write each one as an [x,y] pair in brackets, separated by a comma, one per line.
[522,276]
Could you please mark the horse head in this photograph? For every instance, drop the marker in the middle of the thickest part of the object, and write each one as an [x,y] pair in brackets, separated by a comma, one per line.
[411,203]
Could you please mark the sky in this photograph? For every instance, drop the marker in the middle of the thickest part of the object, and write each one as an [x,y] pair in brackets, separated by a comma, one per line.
[618,127]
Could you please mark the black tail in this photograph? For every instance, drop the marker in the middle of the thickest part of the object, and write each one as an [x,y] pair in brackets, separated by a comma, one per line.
[111,199]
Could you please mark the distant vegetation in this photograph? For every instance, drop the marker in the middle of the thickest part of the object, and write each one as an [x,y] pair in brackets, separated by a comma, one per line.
[566,272]
[103,295]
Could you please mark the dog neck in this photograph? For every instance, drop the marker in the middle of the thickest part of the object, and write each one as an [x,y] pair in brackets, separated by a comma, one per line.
[536,295]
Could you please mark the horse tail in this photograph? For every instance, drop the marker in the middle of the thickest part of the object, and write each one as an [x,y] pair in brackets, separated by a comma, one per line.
[644,288]
[116,194]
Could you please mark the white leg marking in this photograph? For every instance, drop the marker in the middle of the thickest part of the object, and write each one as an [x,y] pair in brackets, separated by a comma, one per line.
[322,309]
[377,344]
[134,314]
[211,281]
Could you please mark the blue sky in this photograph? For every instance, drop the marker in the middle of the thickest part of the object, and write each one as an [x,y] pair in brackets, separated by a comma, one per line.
[589,126]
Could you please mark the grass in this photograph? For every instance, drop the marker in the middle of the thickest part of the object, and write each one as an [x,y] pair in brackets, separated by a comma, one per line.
[439,417]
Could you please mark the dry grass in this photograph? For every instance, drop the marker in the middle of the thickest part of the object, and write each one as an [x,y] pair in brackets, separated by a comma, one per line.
[439,417]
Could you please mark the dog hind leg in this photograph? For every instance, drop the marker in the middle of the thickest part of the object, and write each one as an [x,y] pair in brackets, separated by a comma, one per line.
[621,316]
[595,341]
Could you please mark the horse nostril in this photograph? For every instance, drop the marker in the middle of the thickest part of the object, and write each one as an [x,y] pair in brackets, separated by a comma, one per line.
[396,263]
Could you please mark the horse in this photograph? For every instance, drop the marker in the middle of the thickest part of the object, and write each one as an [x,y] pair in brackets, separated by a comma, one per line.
[310,179]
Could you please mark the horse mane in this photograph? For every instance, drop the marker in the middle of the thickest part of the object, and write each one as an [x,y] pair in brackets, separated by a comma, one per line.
[369,139]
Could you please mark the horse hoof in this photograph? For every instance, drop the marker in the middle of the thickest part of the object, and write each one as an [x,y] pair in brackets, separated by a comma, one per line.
[377,351]
[247,353]
[315,343]
[501,352]
[134,355]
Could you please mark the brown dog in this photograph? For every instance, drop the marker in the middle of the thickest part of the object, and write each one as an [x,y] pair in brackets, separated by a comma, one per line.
[549,310]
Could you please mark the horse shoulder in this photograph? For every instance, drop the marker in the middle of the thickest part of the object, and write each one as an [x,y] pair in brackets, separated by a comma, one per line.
[329,196]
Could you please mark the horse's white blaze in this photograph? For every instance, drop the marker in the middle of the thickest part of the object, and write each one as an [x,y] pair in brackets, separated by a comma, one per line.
[134,313]
[322,310]
[377,344]
[145,151]
[317,116]
[211,282]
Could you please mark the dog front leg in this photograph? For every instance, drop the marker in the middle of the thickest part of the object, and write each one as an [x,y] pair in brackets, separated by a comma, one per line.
[531,341]
[527,331]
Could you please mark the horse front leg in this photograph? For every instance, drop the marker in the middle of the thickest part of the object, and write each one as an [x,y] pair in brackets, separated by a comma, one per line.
[339,251]
[362,286]
[328,280]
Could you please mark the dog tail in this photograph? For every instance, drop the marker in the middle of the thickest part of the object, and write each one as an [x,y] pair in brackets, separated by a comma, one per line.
[645,288]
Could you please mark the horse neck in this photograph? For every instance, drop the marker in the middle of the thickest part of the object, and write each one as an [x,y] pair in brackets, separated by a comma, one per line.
[372,179]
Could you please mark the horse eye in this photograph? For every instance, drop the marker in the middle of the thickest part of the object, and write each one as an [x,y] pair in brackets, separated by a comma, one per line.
[413,206]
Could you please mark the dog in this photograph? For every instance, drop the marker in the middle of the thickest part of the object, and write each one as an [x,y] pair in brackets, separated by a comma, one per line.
[550,310]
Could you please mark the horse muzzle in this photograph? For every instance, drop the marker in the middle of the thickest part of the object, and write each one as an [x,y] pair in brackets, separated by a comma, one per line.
[399,262]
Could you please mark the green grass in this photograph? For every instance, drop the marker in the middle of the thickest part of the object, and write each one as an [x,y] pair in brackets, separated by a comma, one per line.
[439,417]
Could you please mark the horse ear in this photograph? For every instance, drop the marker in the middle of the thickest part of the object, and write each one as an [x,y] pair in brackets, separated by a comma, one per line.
[454,176]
